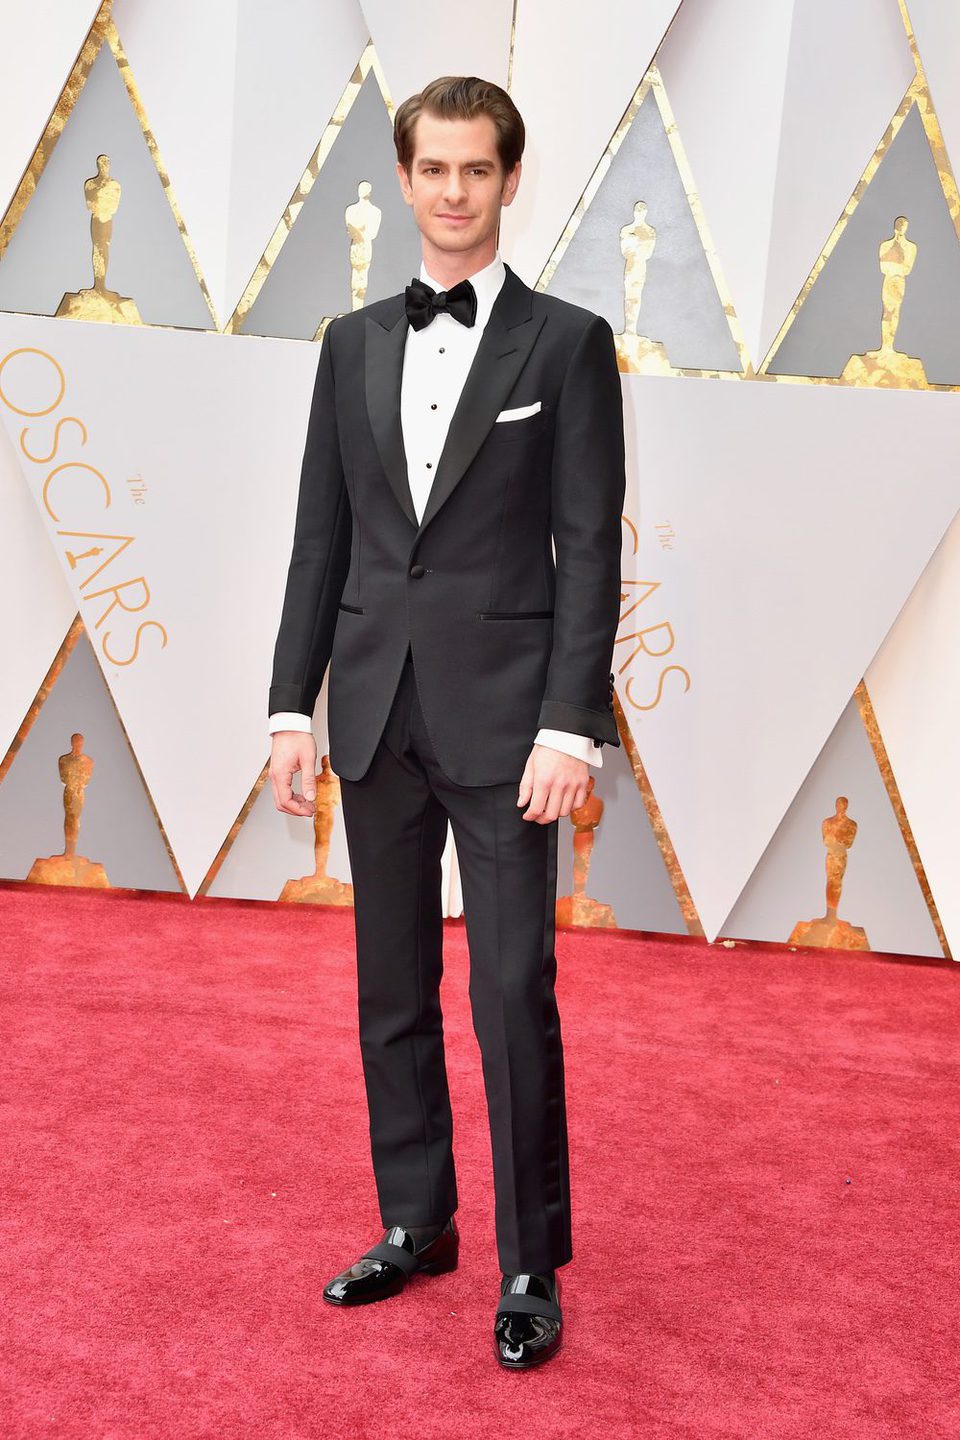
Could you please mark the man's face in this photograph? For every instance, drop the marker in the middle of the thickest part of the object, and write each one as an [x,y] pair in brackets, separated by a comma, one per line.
[456,184]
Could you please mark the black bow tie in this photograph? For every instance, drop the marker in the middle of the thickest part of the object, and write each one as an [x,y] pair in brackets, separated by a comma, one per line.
[423,303]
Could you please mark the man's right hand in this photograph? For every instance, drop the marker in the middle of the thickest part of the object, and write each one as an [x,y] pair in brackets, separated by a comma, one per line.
[293,751]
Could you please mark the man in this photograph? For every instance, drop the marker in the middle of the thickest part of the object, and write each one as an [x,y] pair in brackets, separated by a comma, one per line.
[458,433]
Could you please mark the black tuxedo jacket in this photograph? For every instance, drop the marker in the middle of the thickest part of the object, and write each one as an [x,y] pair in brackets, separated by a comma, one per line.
[505,638]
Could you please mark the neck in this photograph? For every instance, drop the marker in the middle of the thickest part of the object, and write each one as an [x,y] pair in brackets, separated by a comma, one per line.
[452,266]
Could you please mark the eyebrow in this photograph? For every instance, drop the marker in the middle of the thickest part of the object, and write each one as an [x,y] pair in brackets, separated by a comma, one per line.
[426,160]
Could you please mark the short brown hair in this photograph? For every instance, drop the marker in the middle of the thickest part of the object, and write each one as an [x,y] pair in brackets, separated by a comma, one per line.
[461,97]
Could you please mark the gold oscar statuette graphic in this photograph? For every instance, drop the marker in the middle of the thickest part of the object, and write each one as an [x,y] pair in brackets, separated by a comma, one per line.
[888,367]
[71,868]
[321,888]
[578,908]
[839,833]
[636,354]
[102,194]
[363,225]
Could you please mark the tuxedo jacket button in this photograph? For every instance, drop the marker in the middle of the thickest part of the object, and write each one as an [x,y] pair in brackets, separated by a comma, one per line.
[416,571]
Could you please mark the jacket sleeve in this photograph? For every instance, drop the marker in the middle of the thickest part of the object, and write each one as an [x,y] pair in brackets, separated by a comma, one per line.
[320,558]
[588,484]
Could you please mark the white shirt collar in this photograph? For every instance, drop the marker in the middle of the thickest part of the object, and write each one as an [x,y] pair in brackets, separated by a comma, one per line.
[486,283]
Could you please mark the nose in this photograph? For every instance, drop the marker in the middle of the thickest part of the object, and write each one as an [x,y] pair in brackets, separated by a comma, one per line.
[454,190]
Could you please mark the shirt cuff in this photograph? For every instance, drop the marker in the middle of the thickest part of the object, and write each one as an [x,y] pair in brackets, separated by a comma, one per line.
[580,746]
[290,720]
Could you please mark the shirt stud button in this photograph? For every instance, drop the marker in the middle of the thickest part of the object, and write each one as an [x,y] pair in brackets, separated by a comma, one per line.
[442,349]
[433,407]
[429,464]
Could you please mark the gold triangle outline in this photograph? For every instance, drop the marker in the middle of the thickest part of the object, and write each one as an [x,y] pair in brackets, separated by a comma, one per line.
[65,650]
[868,719]
[54,127]
[123,64]
[917,93]
[233,832]
[102,31]
[653,81]
[661,834]
[931,125]
[871,727]
[67,647]
[513,46]
[369,60]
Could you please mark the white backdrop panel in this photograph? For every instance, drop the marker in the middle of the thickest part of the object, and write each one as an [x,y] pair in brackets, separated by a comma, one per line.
[40,43]
[850,65]
[36,604]
[719,67]
[575,68]
[198,438]
[238,95]
[418,44]
[796,525]
[779,107]
[914,683]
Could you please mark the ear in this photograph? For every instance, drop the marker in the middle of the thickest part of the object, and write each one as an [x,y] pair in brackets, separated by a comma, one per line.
[510,183]
[405,186]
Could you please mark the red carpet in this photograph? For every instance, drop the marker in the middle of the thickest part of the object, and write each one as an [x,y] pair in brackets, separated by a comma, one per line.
[765,1166]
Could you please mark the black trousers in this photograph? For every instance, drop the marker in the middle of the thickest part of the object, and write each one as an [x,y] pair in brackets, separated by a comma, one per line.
[395,820]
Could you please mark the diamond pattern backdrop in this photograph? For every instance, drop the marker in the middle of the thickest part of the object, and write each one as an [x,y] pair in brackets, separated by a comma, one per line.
[790,557]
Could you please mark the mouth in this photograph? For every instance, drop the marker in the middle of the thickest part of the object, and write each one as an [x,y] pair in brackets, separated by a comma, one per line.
[455,219]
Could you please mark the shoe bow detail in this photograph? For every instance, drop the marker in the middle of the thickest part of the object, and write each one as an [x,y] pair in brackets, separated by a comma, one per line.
[396,1254]
[527,1304]
[528,1323]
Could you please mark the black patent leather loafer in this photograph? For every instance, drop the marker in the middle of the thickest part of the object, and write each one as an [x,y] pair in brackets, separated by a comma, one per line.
[386,1267]
[528,1323]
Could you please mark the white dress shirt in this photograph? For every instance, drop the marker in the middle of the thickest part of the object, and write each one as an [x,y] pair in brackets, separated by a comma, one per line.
[436,360]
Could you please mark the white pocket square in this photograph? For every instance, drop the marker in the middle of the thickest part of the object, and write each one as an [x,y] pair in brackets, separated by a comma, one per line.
[519,412]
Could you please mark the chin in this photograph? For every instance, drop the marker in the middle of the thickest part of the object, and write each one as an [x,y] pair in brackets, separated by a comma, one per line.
[455,241]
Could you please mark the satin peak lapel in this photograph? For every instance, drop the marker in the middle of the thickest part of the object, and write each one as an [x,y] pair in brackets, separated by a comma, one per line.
[383,369]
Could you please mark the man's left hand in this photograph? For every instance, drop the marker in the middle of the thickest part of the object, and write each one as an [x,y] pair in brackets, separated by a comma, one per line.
[553,783]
